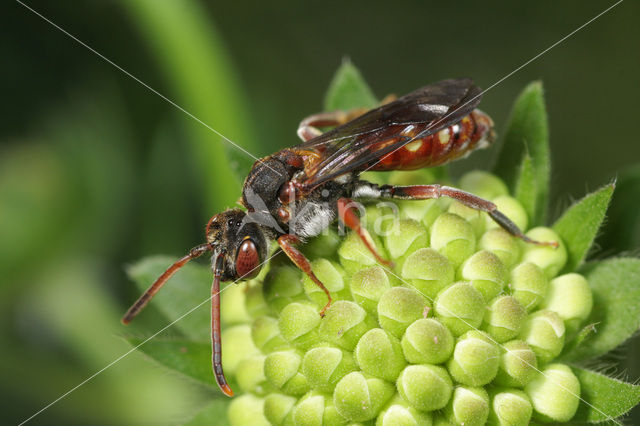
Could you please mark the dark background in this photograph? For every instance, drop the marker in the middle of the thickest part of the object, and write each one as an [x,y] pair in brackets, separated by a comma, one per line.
[97,171]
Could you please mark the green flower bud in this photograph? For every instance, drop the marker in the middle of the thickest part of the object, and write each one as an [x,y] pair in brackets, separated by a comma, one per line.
[475,217]
[344,324]
[380,218]
[379,354]
[555,393]
[573,287]
[485,272]
[330,274]
[282,370]
[246,410]
[502,244]
[511,208]
[278,409]
[544,331]
[427,341]
[354,254]
[441,420]
[237,346]
[528,285]
[266,334]
[476,359]
[298,324]
[403,238]
[325,366]
[316,408]
[454,237]
[518,364]
[255,304]
[399,307]
[426,387]
[250,375]
[468,406]
[367,286]
[232,306]
[504,318]
[358,398]
[460,307]
[423,211]
[281,286]
[510,407]
[550,259]
[399,413]
[483,184]
[324,245]
[428,271]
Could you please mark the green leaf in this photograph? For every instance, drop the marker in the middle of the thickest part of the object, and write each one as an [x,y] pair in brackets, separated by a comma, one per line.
[191,53]
[187,289]
[622,230]
[526,189]
[603,398]
[579,225]
[348,90]
[527,131]
[213,414]
[616,306]
[192,359]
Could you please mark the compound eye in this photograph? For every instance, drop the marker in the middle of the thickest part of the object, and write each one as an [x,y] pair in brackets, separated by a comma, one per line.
[247,260]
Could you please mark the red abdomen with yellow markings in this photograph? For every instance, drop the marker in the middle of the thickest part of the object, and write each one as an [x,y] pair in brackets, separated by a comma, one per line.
[472,132]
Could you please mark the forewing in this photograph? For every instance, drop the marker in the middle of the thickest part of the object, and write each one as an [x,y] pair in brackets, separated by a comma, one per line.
[356,145]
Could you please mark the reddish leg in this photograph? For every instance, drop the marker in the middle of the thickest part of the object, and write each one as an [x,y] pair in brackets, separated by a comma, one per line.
[286,243]
[346,213]
[308,128]
[421,192]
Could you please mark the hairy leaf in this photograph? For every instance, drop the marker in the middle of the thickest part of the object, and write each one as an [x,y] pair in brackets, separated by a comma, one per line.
[526,190]
[603,398]
[348,90]
[579,225]
[188,290]
[527,131]
[191,358]
[616,309]
[213,414]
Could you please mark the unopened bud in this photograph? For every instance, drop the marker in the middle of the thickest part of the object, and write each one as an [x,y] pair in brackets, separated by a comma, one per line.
[354,254]
[427,341]
[453,237]
[251,377]
[358,398]
[426,387]
[460,307]
[528,285]
[247,409]
[379,354]
[282,370]
[468,406]
[550,259]
[512,209]
[367,286]
[485,272]
[344,324]
[573,287]
[278,409]
[476,359]
[265,333]
[281,286]
[325,366]
[399,412]
[518,364]
[502,244]
[555,393]
[510,407]
[403,238]
[504,318]
[544,331]
[316,408]
[483,184]
[298,324]
[399,307]
[428,271]
[331,275]
[237,346]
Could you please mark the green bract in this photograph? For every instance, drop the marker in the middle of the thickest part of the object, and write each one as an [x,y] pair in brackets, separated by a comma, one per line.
[471,325]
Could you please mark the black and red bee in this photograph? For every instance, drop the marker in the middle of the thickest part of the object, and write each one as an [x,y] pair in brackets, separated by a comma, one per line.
[298,192]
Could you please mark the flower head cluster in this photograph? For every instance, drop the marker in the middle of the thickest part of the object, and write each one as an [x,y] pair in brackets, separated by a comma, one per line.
[463,330]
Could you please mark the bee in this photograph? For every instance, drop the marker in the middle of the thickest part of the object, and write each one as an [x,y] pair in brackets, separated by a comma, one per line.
[296,193]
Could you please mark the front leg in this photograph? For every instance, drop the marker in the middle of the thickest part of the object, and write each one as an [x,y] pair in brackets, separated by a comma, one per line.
[286,243]
[422,192]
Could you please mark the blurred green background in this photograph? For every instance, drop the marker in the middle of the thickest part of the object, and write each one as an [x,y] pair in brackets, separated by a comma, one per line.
[97,171]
